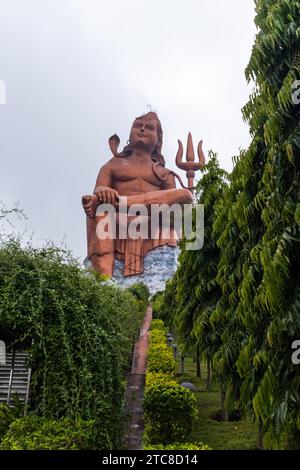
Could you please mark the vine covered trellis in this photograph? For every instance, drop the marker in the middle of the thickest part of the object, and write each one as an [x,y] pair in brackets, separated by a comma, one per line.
[79,333]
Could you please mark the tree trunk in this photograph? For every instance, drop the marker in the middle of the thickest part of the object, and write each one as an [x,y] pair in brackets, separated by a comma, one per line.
[208,382]
[260,443]
[181,364]
[294,440]
[198,363]
[225,416]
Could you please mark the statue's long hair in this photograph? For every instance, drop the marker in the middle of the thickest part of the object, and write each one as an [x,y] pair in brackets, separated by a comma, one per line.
[156,154]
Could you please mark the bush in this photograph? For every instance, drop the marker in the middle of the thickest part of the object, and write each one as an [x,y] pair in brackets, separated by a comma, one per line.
[8,414]
[160,356]
[160,359]
[169,410]
[83,331]
[157,337]
[158,325]
[179,446]
[153,378]
[35,433]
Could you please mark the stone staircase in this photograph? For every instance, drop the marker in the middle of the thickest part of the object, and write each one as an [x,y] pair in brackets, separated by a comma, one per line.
[136,384]
[14,378]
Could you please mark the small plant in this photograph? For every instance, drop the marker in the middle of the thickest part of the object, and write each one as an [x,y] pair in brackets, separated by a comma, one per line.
[36,433]
[9,414]
[179,446]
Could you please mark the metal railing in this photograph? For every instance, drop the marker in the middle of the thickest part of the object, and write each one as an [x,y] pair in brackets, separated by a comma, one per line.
[15,378]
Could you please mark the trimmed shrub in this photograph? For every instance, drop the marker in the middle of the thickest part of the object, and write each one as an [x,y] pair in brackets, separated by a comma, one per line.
[153,378]
[157,336]
[169,410]
[36,433]
[160,359]
[158,325]
[160,356]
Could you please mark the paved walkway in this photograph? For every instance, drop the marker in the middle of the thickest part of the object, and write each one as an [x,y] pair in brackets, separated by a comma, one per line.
[136,384]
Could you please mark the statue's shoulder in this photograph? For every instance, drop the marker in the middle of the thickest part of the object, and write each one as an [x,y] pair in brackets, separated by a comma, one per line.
[113,162]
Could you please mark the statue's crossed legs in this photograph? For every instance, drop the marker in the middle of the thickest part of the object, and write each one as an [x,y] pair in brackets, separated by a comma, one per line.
[101,252]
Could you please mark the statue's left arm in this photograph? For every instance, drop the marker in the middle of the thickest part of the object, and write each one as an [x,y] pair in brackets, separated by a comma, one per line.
[103,188]
[169,183]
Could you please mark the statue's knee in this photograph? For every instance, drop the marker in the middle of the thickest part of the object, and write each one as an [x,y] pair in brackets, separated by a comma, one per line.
[103,263]
[185,196]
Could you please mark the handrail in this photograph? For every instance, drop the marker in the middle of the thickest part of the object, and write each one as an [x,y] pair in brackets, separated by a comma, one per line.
[11,375]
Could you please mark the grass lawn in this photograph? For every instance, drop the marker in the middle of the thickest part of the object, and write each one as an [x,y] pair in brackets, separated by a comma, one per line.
[216,434]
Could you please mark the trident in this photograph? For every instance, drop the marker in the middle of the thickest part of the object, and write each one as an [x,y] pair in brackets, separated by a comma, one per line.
[190,166]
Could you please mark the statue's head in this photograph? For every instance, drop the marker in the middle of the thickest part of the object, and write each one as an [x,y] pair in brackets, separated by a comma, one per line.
[146,132]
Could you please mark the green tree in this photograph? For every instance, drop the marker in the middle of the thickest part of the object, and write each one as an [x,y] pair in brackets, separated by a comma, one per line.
[275,65]
[252,303]
[259,267]
[197,290]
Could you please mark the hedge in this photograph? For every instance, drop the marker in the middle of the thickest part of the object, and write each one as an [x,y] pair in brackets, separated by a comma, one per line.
[158,325]
[169,408]
[169,411]
[79,333]
[160,356]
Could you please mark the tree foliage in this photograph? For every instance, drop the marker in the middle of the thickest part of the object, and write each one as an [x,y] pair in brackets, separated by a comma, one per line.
[240,298]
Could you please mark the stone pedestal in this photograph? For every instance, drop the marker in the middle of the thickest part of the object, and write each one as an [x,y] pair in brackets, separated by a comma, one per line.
[159,266]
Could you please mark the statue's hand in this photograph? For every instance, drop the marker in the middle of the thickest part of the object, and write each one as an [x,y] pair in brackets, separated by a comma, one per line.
[106,195]
[90,204]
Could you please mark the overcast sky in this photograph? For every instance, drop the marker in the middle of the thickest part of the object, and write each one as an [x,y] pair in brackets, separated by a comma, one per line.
[78,71]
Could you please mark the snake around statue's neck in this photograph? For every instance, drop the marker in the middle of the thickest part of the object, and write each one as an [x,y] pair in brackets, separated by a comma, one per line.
[158,169]
[163,177]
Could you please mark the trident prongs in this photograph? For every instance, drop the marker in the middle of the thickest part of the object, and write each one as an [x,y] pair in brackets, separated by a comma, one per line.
[190,166]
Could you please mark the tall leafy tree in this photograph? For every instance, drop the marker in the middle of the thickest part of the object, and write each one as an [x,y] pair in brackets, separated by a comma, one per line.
[260,242]
[252,303]
[197,290]
[275,65]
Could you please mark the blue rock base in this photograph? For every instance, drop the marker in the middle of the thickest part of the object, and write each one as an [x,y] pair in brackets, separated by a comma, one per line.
[159,265]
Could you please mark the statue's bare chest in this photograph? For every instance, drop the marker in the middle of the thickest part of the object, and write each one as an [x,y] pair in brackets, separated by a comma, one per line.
[131,170]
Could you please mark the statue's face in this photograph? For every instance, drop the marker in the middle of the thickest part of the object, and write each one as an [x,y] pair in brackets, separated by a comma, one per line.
[144,134]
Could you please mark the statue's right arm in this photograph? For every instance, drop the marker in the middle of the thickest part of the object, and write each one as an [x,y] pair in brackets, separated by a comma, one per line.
[103,189]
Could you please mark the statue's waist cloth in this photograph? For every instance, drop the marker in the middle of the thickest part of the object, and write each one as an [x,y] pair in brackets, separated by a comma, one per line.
[129,249]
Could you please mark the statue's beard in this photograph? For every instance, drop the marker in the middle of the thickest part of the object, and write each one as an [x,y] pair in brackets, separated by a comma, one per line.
[141,145]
